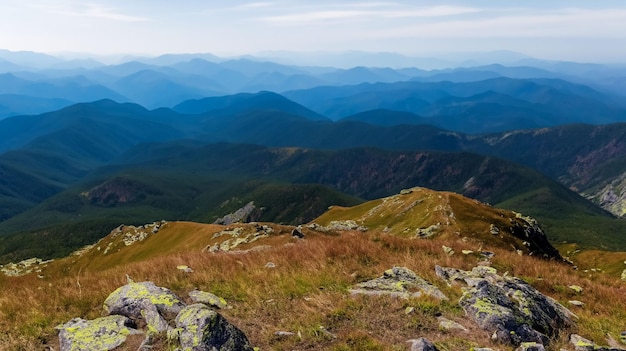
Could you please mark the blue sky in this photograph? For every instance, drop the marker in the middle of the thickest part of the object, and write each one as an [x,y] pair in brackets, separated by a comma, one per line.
[575,30]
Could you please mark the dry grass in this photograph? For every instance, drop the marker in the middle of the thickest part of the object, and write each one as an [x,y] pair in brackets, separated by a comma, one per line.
[306,293]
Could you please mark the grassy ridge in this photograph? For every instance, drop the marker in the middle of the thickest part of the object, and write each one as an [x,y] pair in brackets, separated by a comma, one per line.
[308,288]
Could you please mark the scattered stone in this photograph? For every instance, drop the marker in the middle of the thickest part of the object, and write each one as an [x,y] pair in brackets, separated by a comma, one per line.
[446,324]
[622,336]
[576,303]
[422,344]
[447,250]
[238,236]
[487,254]
[624,275]
[202,329]
[428,232]
[401,282]
[270,265]
[297,232]
[494,230]
[284,334]
[409,310]
[104,334]
[576,288]
[144,303]
[184,268]
[530,346]
[406,191]
[467,252]
[338,226]
[207,298]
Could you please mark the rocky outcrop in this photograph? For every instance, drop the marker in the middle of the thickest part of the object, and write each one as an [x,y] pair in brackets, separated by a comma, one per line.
[242,215]
[508,307]
[238,236]
[398,281]
[528,230]
[24,267]
[154,311]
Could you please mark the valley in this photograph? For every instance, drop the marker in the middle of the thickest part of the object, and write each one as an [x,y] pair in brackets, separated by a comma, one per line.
[290,191]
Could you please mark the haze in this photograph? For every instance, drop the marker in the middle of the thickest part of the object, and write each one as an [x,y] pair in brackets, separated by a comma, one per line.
[563,30]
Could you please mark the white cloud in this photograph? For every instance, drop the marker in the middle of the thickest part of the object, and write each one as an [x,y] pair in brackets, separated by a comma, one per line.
[584,23]
[360,11]
[80,9]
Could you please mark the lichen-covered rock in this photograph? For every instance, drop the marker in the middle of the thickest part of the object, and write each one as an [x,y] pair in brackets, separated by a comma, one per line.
[530,346]
[578,289]
[401,282]
[582,344]
[422,344]
[202,329]
[145,303]
[207,299]
[446,324]
[100,334]
[511,309]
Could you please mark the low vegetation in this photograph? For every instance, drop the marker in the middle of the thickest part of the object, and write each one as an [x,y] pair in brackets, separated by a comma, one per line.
[304,291]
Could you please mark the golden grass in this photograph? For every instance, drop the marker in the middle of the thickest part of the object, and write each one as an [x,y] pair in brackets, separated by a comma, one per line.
[306,293]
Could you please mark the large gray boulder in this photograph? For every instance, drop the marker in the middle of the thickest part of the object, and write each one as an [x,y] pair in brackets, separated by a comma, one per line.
[202,329]
[100,334]
[422,344]
[145,304]
[398,281]
[508,307]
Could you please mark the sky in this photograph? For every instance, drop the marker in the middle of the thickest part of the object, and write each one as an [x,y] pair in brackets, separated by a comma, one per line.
[592,31]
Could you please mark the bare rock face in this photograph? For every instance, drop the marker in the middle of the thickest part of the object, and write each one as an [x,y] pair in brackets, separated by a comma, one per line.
[202,329]
[242,215]
[99,334]
[511,309]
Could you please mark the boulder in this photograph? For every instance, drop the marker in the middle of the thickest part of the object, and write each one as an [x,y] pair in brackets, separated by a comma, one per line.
[582,344]
[401,282]
[202,329]
[100,334]
[530,346]
[145,303]
[422,344]
[508,307]
[448,325]
[207,299]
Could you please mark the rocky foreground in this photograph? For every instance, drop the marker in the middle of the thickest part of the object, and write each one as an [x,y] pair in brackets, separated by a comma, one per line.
[515,313]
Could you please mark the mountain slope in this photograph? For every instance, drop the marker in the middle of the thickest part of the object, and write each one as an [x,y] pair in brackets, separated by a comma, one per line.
[233,105]
[268,277]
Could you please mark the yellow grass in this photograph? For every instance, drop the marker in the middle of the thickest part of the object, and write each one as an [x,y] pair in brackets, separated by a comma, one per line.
[306,293]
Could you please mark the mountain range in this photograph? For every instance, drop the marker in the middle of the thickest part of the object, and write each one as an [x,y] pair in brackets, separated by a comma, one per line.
[192,137]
